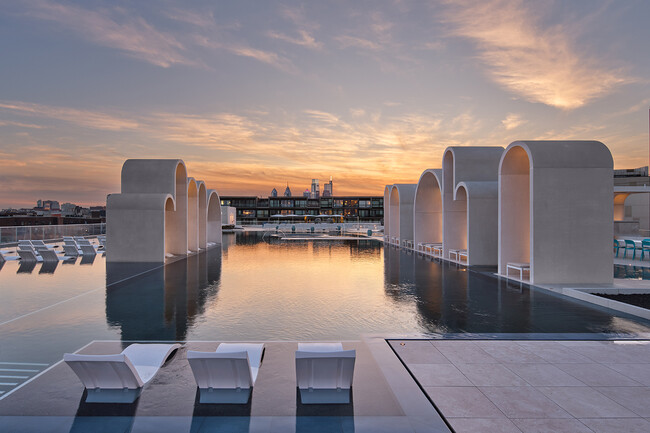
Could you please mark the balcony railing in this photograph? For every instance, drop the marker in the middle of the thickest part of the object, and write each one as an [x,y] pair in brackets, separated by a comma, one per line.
[13,234]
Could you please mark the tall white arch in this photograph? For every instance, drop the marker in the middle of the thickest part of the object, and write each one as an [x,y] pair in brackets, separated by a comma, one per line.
[214,218]
[427,208]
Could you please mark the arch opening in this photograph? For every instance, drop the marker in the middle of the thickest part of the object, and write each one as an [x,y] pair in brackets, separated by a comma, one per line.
[394,216]
[460,235]
[427,223]
[514,208]
[177,220]
[454,211]
[169,233]
[192,216]
[214,219]
[203,215]
[387,212]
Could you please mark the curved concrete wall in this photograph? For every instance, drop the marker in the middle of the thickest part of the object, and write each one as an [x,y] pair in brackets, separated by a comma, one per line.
[465,164]
[481,222]
[203,215]
[192,215]
[427,208]
[387,189]
[401,211]
[159,212]
[556,210]
[136,227]
[214,218]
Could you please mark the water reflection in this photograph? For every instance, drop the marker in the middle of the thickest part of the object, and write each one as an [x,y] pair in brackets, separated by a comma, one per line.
[163,303]
[450,298]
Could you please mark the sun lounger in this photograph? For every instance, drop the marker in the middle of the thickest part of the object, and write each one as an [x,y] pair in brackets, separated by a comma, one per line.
[48,255]
[87,250]
[28,256]
[119,378]
[70,250]
[228,374]
[38,243]
[324,373]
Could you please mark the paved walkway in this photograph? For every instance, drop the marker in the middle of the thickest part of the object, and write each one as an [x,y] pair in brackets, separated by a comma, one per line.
[534,386]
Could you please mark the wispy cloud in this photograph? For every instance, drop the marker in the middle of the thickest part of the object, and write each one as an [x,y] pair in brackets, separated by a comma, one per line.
[115,29]
[304,39]
[512,121]
[86,118]
[537,63]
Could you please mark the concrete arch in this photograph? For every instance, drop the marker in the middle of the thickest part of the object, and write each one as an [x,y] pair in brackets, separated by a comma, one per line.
[427,208]
[401,212]
[556,210]
[464,164]
[387,189]
[128,241]
[203,214]
[480,234]
[214,218]
[160,176]
[192,215]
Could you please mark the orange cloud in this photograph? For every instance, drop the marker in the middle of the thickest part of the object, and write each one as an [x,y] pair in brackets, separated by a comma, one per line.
[539,64]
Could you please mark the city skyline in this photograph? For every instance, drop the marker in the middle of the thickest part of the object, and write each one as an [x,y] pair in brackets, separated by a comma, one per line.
[256,95]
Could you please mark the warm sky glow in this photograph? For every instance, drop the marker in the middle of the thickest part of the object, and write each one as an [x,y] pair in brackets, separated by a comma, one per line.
[253,95]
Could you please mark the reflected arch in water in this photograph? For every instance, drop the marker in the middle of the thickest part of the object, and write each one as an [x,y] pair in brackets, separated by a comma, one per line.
[161,302]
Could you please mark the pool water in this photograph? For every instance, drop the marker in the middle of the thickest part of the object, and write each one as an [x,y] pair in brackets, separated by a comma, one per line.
[268,289]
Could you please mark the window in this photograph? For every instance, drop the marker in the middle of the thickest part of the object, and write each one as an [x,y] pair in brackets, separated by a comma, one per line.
[225,202]
[274,203]
[338,203]
[248,213]
[365,204]
[301,203]
[262,213]
[286,203]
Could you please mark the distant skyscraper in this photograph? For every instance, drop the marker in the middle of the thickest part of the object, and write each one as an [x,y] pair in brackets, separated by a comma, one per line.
[274,193]
[315,189]
[287,192]
[306,193]
[328,189]
[39,203]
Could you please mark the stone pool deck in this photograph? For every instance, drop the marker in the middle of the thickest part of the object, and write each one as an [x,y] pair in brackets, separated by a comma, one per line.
[385,398]
[476,385]
[534,386]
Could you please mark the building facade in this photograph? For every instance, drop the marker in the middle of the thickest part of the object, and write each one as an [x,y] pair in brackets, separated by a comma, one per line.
[259,210]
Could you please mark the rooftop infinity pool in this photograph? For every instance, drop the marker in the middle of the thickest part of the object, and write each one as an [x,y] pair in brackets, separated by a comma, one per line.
[269,290]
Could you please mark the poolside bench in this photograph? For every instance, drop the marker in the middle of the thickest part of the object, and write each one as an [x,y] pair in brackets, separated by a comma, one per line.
[458,254]
[521,267]
[437,250]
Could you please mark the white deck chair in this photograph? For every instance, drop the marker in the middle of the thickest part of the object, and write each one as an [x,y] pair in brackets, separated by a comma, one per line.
[87,250]
[119,378]
[28,256]
[228,374]
[70,250]
[48,255]
[324,372]
[38,244]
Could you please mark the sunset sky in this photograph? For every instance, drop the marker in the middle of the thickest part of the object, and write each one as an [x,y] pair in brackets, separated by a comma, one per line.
[255,94]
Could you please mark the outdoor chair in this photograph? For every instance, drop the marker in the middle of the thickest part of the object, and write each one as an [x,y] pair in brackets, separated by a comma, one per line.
[28,256]
[227,375]
[630,245]
[324,372]
[70,250]
[617,246]
[48,255]
[87,250]
[119,378]
[645,247]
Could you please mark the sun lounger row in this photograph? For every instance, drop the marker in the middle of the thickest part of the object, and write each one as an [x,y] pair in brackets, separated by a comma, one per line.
[324,372]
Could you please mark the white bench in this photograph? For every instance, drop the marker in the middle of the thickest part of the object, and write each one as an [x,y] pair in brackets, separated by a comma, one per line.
[457,253]
[437,250]
[521,267]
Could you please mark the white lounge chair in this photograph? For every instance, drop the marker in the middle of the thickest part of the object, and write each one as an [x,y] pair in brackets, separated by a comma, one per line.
[70,250]
[226,376]
[119,378]
[48,255]
[37,243]
[28,256]
[88,250]
[324,372]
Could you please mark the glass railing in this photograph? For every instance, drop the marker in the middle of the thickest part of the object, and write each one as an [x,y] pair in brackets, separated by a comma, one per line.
[9,235]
